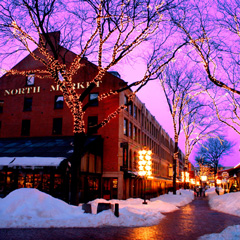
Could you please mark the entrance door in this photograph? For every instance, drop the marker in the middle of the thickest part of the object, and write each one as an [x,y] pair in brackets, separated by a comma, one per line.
[110,188]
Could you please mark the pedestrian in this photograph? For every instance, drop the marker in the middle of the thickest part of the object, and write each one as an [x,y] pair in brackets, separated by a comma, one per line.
[197,191]
[200,191]
[203,191]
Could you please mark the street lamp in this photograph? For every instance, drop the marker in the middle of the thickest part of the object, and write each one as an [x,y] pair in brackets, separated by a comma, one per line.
[145,166]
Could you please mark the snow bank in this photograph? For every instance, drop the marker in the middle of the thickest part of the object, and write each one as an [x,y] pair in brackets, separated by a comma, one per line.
[227,203]
[230,233]
[182,197]
[31,208]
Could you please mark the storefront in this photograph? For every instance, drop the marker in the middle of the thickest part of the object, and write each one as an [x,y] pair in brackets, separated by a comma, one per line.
[36,163]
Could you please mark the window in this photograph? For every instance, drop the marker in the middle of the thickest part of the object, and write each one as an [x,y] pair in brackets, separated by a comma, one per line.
[57,126]
[126,102]
[135,112]
[130,129]
[125,127]
[130,159]
[92,121]
[58,104]
[93,99]
[135,133]
[30,80]
[25,127]
[1,106]
[27,104]
[131,108]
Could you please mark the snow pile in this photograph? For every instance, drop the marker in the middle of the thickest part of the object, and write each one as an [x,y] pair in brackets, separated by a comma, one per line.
[230,233]
[211,192]
[227,203]
[29,208]
[182,198]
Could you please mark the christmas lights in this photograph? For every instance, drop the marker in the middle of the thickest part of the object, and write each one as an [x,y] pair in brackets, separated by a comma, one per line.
[145,163]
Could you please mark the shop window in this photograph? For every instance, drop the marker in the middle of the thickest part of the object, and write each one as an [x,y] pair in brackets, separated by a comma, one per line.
[130,130]
[91,163]
[27,104]
[57,126]
[125,127]
[84,163]
[25,127]
[1,106]
[92,122]
[30,79]
[93,99]
[58,104]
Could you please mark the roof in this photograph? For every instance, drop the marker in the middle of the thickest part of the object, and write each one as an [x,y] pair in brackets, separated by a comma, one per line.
[30,161]
[46,146]
[36,147]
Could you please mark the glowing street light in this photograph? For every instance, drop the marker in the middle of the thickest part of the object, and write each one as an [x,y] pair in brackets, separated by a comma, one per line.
[204,178]
[145,166]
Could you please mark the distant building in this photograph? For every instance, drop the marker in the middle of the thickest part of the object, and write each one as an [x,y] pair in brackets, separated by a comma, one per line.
[36,136]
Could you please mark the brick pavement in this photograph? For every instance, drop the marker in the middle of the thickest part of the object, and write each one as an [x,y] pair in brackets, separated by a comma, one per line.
[188,223]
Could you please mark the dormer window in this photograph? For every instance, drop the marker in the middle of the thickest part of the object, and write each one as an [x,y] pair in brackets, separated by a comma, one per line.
[30,79]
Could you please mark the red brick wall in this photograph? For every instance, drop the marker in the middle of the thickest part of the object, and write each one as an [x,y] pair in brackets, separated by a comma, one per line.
[43,111]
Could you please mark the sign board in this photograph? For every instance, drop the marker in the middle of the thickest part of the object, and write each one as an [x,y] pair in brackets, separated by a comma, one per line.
[225,174]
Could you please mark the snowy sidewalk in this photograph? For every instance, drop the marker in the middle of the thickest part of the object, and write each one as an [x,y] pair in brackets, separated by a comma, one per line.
[188,223]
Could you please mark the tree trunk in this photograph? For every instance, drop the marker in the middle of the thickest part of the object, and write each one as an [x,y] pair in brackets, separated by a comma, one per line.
[79,140]
[175,156]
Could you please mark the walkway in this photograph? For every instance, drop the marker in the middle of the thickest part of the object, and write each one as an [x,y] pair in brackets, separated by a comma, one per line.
[188,223]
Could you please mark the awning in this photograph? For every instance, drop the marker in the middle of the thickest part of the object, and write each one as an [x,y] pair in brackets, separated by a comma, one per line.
[31,161]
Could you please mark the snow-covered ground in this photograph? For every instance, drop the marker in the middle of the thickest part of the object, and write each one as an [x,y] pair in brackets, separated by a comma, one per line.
[227,203]
[30,208]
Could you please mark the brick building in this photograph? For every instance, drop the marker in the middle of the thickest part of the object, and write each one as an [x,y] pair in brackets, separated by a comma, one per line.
[36,136]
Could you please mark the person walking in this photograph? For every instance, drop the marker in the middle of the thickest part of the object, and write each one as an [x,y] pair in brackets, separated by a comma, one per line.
[197,191]
[203,191]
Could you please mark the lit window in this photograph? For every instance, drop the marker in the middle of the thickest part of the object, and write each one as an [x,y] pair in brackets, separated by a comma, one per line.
[125,127]
[25,127]
[57,126]
[1,106]
[58,104]
[30,79]
[27,104]
[93,99]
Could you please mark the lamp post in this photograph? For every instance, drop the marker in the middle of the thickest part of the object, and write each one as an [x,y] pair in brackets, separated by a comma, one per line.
[145,166]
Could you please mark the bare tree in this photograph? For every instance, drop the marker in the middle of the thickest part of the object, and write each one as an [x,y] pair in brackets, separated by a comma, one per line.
[116,26]
[199,123]
[211,29]
[213,150]
[180,88]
